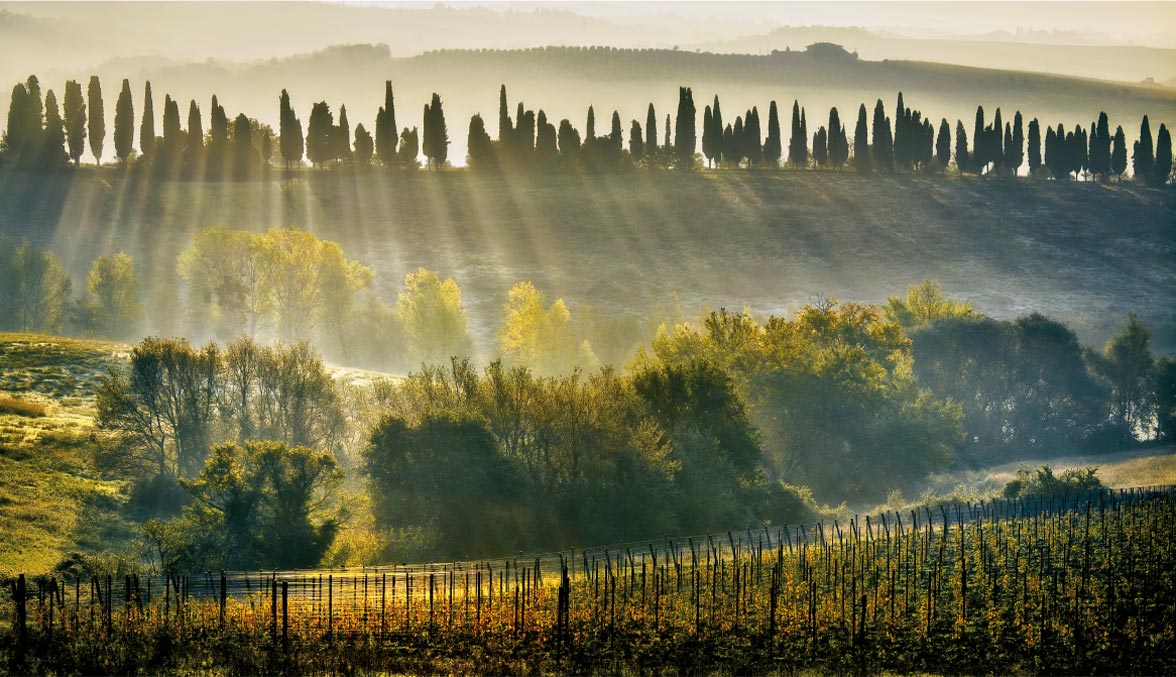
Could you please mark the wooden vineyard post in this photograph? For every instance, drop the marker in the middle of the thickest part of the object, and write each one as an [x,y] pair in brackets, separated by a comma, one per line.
[274,609]
[223,590]
[19,594]
[285,615]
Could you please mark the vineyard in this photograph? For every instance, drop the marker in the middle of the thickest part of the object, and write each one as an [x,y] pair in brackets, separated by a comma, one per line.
[1052,584]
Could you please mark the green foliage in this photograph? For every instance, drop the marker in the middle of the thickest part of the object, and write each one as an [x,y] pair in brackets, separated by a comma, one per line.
[260,505]
[1022,384]
[19,407]
[1164,379]
[924,303]
[1043,481]
[111,307]
[286,283]
[447,477]
[539,336]
[75,120]
[320,144]
[34,289]
[1126,365]
[432,317]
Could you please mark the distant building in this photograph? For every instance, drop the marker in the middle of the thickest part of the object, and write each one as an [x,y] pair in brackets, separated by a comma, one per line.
[829,51]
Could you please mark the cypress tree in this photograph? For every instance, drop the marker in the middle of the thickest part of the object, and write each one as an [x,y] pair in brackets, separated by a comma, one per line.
[837,140]
[124,124]
[861,143]
[1034,147]
[409,148]
[97,119]
[708,136]
[342,135]
[590,128]
[1008,148]
[902,141]
[685,139]
[821,147]
[730,152]
[650,132]
[436,141]
[943,145]
[773,146]
[172,136]
[504,124]
[666,145]
[480,150]
[75,120]
[797,156]
[961,147]
[1143,159]
[194,150]
[979,152]
[364,145]
[1162,170]
[386,132]
[1017,156]
[244,156]
[883,150]
[569,143]
[320,134]
[755,153]
[1119,154]
[738,148]
[53,152]
[1051,152]
[636,142]
[16,134]
[217,156]
[26,131]
[290,131]
[546,143]
[1100,150]
[147,128]
[996,154]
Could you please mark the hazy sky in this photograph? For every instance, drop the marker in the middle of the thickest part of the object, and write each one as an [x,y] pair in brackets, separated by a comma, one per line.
[1150,23]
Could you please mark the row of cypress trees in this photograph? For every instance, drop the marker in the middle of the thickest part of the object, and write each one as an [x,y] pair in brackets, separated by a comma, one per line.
[39,135]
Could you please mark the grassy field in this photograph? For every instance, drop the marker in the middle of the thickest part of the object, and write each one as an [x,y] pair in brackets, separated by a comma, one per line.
[52,500]
[627,243]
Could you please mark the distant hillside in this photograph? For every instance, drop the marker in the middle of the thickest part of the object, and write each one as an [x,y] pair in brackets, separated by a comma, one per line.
[627,243]
[1060,55]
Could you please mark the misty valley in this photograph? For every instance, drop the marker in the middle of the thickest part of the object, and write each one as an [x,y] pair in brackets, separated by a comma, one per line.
[830,363]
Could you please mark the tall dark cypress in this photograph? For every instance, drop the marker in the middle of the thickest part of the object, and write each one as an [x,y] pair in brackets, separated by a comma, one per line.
[838,146]
[1119,154]
[883,142]
[650,131]
[387,136]
[52,153]
[147,128]
[979,151]
[97,119]
[861,143]
[755,153]
[1034,147]
[75,120]
[1017,155]
[709,142]
[773,145]
[590,126]
[124,124]
[436,136]
[685,139]
[1143,160]
[717,130]
[1162,169]
[504,124]
[290,131]
[821,148]
[194,149]
[1100,151]
[943,145]
[636,142]
[961,148]
[797,143]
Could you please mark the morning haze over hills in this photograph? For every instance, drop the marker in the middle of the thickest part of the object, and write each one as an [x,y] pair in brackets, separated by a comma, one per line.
[587,338]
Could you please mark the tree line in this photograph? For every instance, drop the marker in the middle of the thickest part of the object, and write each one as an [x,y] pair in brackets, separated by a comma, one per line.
[727,420]
[41,135]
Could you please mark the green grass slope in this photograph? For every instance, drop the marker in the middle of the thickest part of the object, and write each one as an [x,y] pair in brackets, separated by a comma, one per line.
[1085,253]
[52,499]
